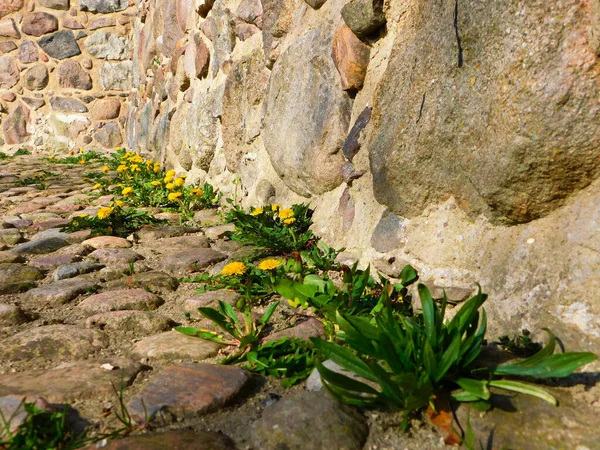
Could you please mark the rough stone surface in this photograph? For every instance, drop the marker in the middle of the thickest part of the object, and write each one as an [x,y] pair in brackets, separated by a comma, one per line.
[11,236]
[12,411]
[143,323]
[9,29]
[498,130]
[41,246]
[71,75]
[196,58]
[62,5]
[74,269]
[364,17]
[388,233]
[103,6]
[116,76]
[53,261]
[174,345]
[351,58]
[39,23]
[60,45]
[107,242]
[244,91]
[62,342]
[67,104]
[11,315]
[188,390]
[291,423]
[106,108]
[28,52]
[10,257]
[306,153]
[72,381]
[17,278]
[60,292]
[7,46]
[109,135]
[276,22]
[190,260]
[9,72]
[36,77]
[153,281]
[10,6]
[305,330]
[179,439]
[126,299]
[210,299]
[105,45]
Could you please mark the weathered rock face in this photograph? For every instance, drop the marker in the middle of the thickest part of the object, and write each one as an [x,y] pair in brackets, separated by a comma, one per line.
[244,91]
[505,121]
[71,75]
[277,21]
[303,133]
[15,124]
[60,45]
[39,23]
[9,72]
[36,77]
[107,46]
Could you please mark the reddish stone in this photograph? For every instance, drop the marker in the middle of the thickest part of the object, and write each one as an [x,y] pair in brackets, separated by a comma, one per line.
[15,124]
[28,52]
[250,11]
[71,75]
[197,58]
[8,28]
[7,47]
[87,63]
[8,96]
[39,23]
[307,329]
[74,381]
[72,24]
[9,72]
[43,57]
[177,439]
[106,108]
[351,58]
[33,103]
[245,31]
[10,6]
[185,11]
[188,390]
[102,22]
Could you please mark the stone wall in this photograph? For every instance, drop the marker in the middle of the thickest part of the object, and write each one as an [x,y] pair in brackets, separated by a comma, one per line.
[461,137]
[65,72]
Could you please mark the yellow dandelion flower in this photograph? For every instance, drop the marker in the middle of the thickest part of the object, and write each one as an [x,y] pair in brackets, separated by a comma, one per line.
[149,162]
[170,173]
[156,167]
[257,211]
[51,157]
[170,186]
[168,179]
[82,161]
[269,264]
[197,191]
[71,153]
[97,186]
[119,148]
[286,213]
[103,213]
[122,168]
[275,207]
[135,168]
[174,196]
[119,203]
[234,268]
[179,182]
[105,169]
[82,215]
[80,150]
[155,183]
[128,190]
[289,221]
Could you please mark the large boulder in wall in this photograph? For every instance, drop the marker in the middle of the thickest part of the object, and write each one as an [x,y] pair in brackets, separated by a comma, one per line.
[307,116]
[498,109]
